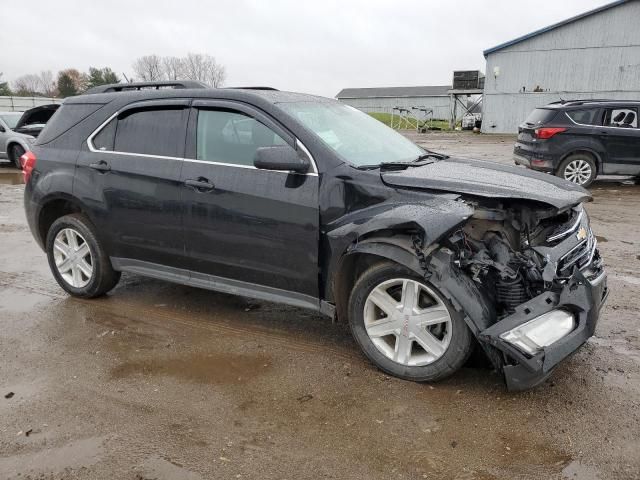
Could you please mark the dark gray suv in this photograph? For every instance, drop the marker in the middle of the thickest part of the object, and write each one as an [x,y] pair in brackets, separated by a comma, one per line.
[303,200]
[581,139]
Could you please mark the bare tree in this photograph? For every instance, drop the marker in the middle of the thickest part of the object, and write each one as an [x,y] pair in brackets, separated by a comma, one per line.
[149,68]
[35,84]
[47,85]
[173,68]
[204,68]
[195,66]
[27,85]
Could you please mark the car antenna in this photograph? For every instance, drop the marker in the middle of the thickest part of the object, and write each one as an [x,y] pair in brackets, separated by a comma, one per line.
[562,101]
[125,77]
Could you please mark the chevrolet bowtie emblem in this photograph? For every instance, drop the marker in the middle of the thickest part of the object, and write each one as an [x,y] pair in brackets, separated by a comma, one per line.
[582,234]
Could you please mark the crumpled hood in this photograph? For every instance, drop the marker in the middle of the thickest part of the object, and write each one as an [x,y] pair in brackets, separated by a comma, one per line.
[489,179]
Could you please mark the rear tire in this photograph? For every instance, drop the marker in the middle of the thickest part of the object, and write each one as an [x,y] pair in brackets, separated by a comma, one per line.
[15,152]
[579,168]
[77,258]
[424,325]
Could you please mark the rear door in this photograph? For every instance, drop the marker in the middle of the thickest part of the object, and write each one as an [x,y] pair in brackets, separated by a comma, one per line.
[129,176]
[621,137]
[243,223]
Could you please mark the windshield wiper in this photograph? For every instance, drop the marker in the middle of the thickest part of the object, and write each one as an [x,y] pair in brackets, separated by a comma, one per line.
[417,162]
[430,154]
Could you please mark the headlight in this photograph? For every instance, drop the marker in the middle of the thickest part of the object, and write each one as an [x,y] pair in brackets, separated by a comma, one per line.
[541,332]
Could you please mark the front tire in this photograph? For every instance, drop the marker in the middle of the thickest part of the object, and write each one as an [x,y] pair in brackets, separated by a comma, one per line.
[77,258]
[15,152]
[406,326]
[578,168]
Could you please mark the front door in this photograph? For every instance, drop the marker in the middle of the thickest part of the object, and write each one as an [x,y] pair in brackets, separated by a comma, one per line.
[242,223]
[621,138]
[129,178]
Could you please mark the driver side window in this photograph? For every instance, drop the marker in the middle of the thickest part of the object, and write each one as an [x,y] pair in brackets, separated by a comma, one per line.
[225,136]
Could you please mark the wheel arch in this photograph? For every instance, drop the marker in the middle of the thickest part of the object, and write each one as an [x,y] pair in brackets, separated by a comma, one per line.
[597,157]
[54,207]
[13,142]
[363,255]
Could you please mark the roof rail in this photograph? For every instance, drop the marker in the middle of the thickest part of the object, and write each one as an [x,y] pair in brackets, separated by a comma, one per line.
[252,88]
[582,101]
[127,87]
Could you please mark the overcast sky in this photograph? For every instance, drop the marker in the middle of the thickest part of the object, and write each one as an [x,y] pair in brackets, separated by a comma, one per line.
[317,47]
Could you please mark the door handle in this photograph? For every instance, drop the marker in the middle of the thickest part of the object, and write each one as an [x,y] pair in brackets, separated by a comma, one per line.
[100,166]
[201,184]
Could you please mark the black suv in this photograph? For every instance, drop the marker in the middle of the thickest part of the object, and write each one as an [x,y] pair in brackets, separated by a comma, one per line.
[303,200]
[581,139]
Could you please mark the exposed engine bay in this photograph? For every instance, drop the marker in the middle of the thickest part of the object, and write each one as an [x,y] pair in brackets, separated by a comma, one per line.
[507,251]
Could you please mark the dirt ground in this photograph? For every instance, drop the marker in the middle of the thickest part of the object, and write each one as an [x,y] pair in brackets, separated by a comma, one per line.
[159,381]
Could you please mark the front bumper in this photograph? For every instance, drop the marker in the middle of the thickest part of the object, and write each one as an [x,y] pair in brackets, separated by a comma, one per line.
[582,296]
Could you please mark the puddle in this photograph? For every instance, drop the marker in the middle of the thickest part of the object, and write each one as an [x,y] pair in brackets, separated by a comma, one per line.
[19,301]
[601,239]
[74,455]
[11,178]
[201,368]
[577,471]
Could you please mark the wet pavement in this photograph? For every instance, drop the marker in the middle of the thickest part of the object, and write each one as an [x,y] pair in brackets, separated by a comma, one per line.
[160,381]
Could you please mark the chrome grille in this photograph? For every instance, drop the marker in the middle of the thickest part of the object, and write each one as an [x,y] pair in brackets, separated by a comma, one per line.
[579,256]
[565,230]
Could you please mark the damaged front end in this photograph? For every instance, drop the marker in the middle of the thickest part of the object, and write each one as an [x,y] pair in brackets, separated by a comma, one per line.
[541,272]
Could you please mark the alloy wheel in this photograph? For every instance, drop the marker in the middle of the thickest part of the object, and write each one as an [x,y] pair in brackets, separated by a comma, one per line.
[407,322]
[578,171]
[73,258]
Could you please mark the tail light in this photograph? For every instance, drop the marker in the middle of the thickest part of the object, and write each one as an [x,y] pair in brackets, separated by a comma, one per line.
[546,133]
[28,163]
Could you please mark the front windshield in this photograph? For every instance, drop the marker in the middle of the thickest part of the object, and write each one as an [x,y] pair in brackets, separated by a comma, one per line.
[357,137]
[11,119]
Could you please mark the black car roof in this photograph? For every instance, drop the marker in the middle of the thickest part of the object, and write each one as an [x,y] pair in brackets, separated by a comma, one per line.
[578,104]
[250,95]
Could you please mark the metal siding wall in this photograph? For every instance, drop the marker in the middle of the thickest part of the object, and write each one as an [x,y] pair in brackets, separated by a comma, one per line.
[20,104]
[439,105]
[598,57]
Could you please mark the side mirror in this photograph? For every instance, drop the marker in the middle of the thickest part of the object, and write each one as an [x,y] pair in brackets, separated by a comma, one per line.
[281,157]
[2,130]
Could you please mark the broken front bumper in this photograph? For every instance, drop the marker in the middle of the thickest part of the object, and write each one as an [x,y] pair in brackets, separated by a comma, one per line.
[582,296]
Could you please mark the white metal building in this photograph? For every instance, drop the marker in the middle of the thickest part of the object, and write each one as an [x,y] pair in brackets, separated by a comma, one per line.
[592,55]
[383,100]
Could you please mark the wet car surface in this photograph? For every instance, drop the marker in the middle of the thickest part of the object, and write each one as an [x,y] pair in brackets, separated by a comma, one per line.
[163,381]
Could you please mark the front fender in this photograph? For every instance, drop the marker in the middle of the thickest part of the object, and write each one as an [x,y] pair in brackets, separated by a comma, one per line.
[17,139]
[431,218]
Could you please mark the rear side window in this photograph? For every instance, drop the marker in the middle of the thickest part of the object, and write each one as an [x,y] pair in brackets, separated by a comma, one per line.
[67,116]
[540,116]
[584,117]
[231,137]
[621,117]
[150,132]
[105,137]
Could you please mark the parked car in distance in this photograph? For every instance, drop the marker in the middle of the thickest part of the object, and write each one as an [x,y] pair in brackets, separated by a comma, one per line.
[581,139]
[303,200]
[471,121]
[18,130]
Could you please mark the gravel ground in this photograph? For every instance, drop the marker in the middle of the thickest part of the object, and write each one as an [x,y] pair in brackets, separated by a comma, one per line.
[158,381]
